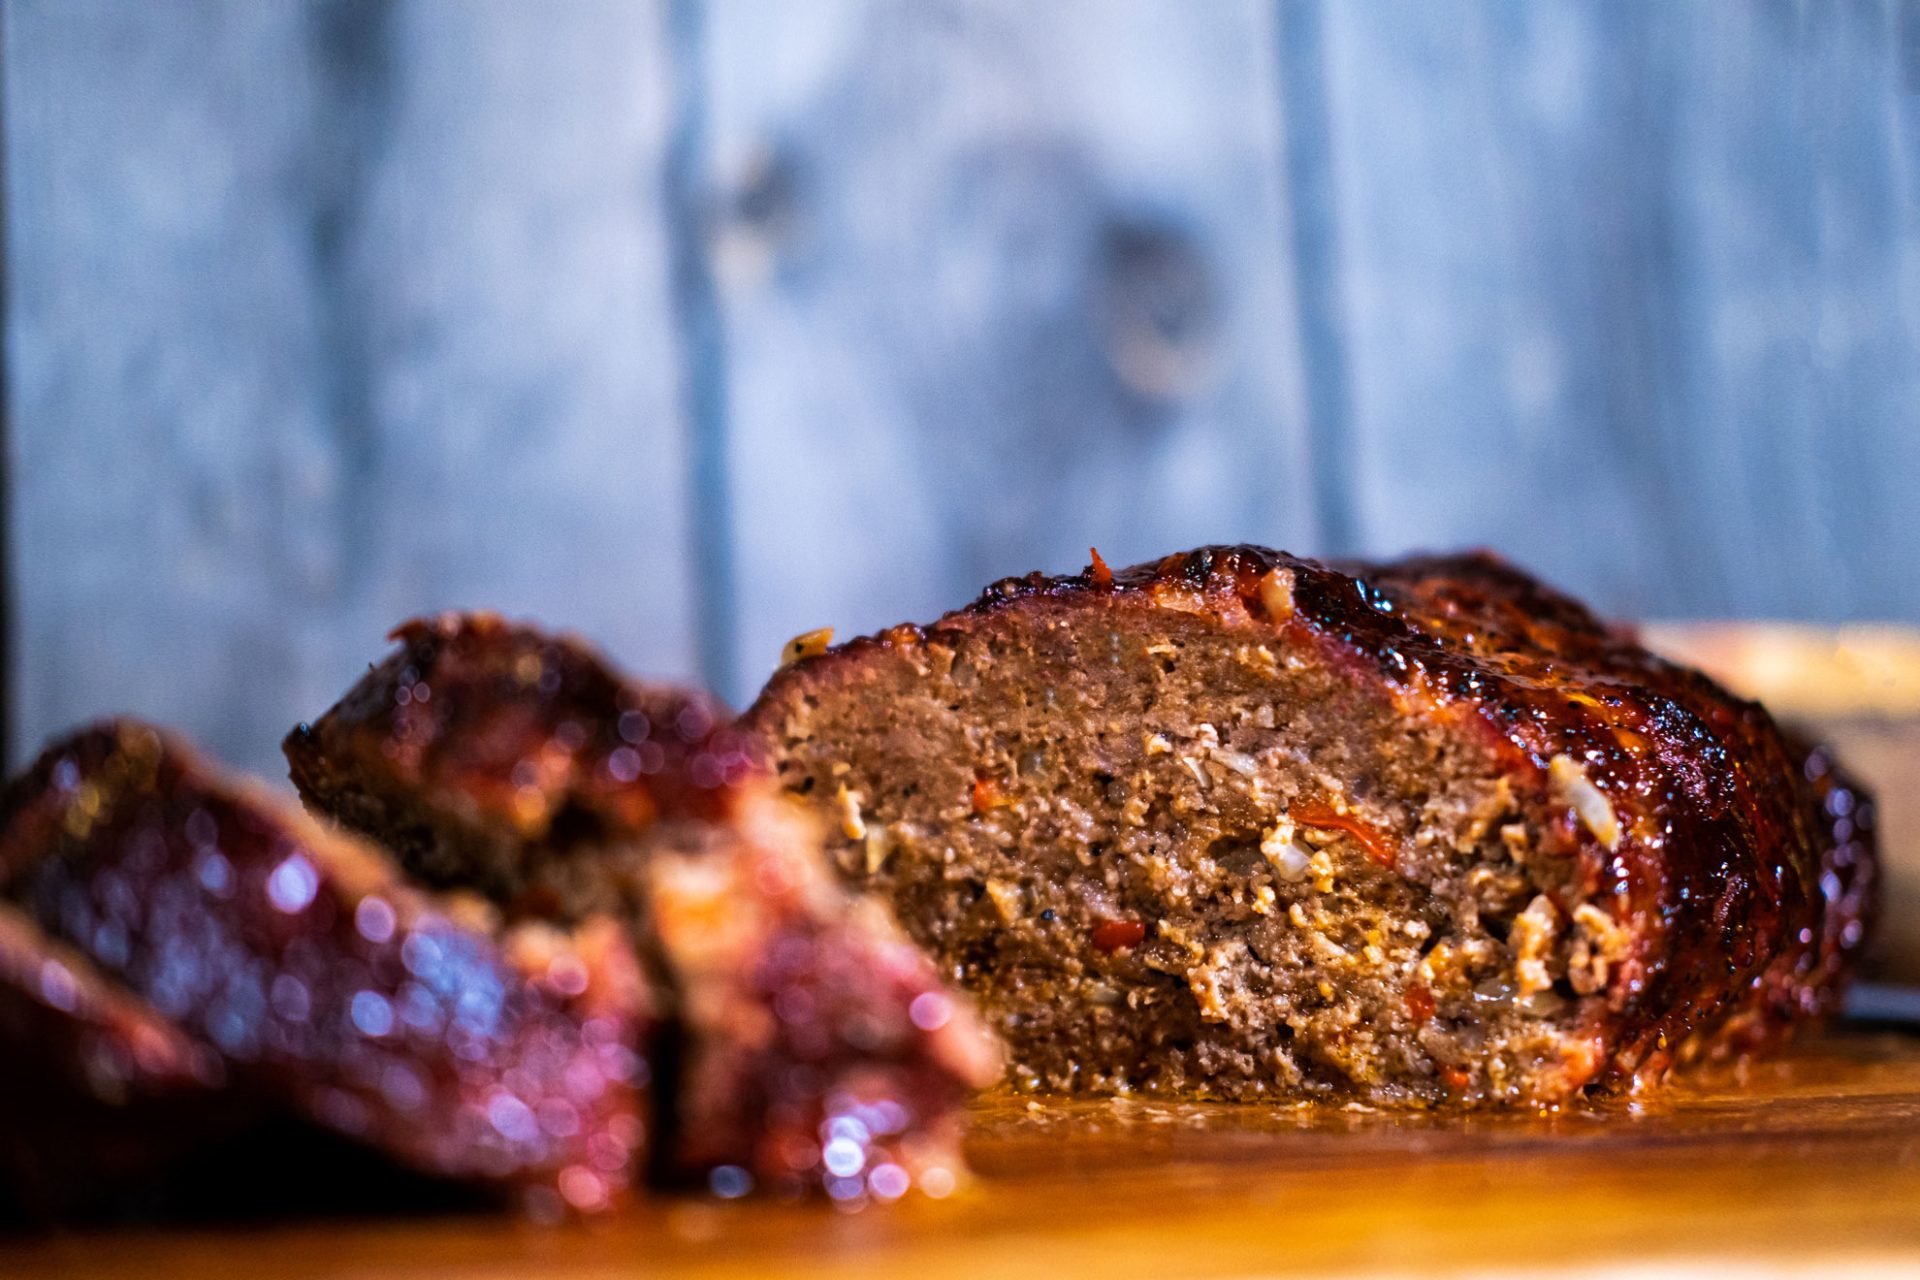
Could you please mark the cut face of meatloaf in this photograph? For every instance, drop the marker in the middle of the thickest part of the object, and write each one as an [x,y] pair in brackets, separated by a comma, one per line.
[813,1046]
[323,982]
[1238,824]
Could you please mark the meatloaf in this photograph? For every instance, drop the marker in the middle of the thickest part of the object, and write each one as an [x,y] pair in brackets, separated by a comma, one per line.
[96,1089]
[816,1048]
[1243,825]
[229,937]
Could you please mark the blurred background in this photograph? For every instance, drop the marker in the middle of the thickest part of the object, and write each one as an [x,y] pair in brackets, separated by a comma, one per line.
[693,325]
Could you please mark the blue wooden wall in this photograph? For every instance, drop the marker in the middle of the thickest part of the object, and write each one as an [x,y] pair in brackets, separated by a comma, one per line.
[695,325]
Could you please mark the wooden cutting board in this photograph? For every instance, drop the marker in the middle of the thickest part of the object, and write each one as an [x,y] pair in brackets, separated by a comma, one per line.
[1813,1159]
[1807,1163]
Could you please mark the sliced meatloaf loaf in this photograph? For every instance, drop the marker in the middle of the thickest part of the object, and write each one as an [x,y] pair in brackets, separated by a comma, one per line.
[815,1046]
[230,937]
[1239,824]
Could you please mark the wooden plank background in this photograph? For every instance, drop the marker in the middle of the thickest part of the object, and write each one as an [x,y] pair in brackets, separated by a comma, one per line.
[691,325]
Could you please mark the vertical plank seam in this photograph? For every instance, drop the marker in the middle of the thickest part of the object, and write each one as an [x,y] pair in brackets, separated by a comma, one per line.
[9,647]
[351,44]
[1834,481]
[1307,172]
[1649,396]
[702,354]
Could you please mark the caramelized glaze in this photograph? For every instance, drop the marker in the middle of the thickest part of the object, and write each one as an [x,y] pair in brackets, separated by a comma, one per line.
[816,1049]
[325,983]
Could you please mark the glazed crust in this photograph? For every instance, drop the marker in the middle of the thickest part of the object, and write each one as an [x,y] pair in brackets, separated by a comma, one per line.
[97,1090]
[536,729]
[236,927]
[493,754]
[1741,866]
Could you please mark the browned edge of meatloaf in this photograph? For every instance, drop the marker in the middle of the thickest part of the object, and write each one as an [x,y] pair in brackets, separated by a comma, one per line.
[497,754]
[498,758]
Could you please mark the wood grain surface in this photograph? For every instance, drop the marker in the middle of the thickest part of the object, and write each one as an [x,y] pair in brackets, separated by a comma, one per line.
[985,264]
[1811,1161]
[322,315]
[695,324]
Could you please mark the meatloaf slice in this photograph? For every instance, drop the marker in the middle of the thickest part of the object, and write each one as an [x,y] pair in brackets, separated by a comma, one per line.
[96,1089]
[1239,824]
[814,1045]
[325,982]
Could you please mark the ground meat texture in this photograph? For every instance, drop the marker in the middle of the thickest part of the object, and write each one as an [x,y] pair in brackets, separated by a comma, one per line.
[810,1045]
[1243,825]
[326,985]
